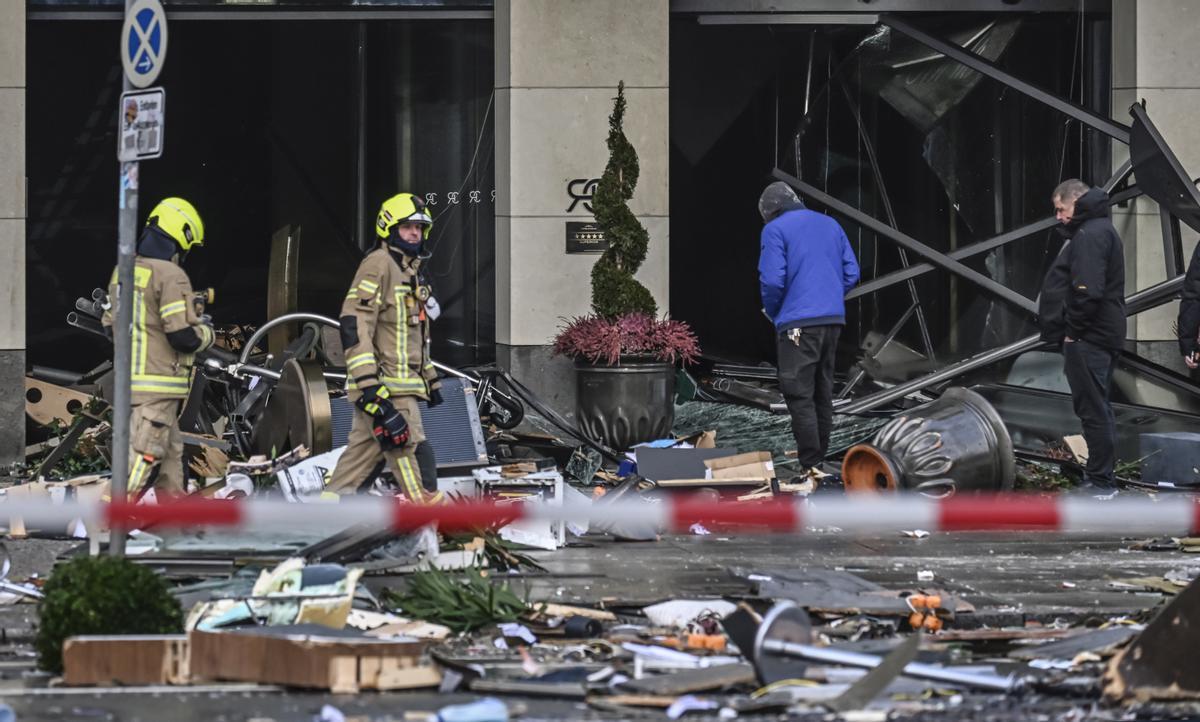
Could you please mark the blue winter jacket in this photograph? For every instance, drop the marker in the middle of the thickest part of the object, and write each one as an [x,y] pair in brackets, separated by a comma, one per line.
[805,268]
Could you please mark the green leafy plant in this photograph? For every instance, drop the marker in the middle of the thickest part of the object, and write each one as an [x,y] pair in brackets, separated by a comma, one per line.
[89,455]
[614,289]
[463,605]
[102,595]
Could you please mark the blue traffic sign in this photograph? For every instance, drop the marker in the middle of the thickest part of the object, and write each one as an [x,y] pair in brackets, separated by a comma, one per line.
[144,42]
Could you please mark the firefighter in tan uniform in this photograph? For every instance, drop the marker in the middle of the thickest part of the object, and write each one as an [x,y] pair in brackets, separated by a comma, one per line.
[385,333]
[168,329]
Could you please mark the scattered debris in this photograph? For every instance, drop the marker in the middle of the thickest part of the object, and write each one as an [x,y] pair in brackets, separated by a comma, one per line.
[1157,664]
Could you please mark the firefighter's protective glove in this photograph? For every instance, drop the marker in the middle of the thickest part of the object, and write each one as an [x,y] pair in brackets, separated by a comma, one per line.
[388,426]
[435,398]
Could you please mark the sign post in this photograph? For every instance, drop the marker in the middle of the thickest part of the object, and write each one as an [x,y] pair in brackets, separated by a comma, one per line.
[143,50]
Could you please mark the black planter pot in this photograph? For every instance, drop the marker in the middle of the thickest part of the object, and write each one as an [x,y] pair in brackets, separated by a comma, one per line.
[620,406]
[956,443]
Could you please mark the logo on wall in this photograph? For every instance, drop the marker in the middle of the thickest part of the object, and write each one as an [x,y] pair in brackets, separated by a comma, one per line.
[580,191]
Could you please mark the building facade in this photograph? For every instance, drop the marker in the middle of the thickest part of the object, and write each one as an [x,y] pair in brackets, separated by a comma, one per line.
[302,115]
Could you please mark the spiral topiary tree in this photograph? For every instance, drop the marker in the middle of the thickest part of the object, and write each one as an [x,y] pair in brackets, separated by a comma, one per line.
[615,292]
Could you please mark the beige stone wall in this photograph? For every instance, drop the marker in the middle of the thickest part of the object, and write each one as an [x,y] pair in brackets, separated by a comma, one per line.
[1155,58]
[12,177]
[558,63]
[12,231]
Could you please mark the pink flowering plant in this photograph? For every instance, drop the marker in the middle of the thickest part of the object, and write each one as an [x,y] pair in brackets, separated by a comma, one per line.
[607,341]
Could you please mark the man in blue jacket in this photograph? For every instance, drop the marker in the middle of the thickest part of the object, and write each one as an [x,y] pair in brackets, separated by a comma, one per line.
[805,269]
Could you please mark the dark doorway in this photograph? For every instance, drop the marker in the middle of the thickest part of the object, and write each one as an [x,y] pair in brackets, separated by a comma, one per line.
[960,158]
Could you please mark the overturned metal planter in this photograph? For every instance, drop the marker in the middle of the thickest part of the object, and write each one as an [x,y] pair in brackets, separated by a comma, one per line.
[956,443]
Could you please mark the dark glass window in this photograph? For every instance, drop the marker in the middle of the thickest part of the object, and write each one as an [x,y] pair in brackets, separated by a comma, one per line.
[308,123]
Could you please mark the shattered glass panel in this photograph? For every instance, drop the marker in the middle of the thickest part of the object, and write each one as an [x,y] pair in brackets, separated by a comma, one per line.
[920,83]
[745,428]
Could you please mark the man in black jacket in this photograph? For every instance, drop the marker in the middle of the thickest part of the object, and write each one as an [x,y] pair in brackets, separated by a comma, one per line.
[1189,313]
[1082,309]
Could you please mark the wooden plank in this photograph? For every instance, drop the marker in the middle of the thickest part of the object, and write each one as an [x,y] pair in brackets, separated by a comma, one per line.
[1002,635]
[127,660]
[295,658]
[46,403]
[634,700]
[564,610]
[709,482]
[396,673]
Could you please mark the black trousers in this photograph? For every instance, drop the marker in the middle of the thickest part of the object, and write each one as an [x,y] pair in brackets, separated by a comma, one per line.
[1089,373]
[806,380]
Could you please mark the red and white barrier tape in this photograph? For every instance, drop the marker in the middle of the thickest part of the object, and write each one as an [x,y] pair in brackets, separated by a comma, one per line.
[850,514]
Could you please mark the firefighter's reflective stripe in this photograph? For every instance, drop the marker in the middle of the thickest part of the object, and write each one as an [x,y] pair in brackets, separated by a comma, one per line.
[403,382]
[412,486]
[166,385]
[138,473]
[362,359]
[139,334]
[173,308]
[368,286]
[141,277]
[401,333]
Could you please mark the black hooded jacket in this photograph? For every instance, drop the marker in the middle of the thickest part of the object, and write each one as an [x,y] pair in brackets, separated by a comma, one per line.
[1189,307]
[1083,295]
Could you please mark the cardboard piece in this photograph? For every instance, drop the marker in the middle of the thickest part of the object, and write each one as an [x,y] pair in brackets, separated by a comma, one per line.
[750,469]
[756,465]
[143,659]
[1078,447]
[312,657]
[700,439]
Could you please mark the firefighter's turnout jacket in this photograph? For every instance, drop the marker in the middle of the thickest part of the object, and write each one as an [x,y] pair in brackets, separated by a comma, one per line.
[167,331]
[385,330]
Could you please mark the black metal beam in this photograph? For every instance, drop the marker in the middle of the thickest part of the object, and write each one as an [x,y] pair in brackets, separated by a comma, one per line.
[1143,300]
[1183,199]
[935,257]
[986,67]
[1172,239]
[885,197]
[974,249]
[861,373]
[1159,373]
